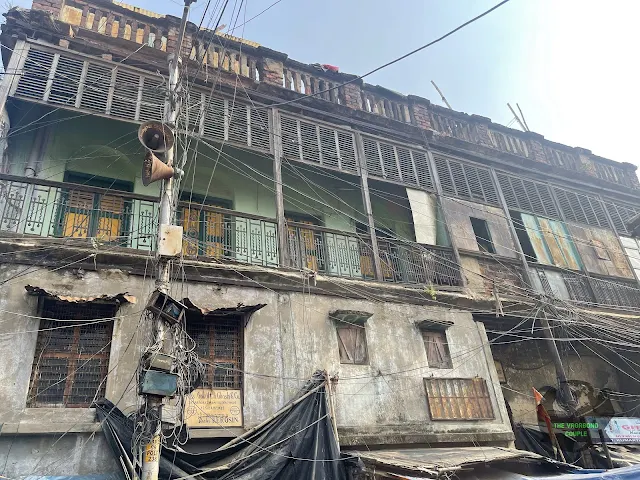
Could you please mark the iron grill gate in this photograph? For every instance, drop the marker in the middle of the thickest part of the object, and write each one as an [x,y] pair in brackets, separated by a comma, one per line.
[466,181]
[219,345]
[71,364]
[318,143]
[615,293]
[458,399]
[527,195]
[397,163]
[620,213]
[581,208]
[92,86]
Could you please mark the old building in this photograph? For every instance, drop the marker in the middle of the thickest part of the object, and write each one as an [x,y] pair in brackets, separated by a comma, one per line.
[405,248]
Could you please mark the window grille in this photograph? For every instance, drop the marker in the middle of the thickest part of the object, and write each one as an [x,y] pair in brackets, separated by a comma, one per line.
[219,344]
[466,181]
[458,399]
[71,364]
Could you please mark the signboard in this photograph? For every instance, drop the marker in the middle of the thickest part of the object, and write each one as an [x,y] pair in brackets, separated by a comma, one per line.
[215,408]
[617,430]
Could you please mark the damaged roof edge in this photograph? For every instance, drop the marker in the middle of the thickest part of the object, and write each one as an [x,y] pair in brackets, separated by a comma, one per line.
[120,297]
[240,309]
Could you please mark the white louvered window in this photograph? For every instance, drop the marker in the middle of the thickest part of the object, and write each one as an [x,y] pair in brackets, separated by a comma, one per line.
[318,143]
[397,163]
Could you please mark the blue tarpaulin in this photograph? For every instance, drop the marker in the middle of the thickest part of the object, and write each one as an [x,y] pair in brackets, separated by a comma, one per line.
[627,473]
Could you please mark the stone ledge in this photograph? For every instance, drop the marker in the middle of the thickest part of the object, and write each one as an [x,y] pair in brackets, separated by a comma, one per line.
[50,421]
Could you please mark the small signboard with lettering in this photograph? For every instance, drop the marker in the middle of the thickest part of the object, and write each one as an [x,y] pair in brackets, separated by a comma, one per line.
[213,408]
[616,430]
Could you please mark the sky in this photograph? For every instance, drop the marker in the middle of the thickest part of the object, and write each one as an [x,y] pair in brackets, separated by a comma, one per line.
[572,65]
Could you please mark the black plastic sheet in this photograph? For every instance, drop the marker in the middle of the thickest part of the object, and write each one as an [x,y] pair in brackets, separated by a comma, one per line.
[295,444]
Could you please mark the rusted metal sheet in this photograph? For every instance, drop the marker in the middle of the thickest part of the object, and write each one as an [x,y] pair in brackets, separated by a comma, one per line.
[537,241]
[239,309]
[600,251]
[551,242]
[120,297]
[458,399]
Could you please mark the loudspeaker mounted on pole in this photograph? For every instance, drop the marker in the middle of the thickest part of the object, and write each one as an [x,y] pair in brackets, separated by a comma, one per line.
[157,138]
[154,169]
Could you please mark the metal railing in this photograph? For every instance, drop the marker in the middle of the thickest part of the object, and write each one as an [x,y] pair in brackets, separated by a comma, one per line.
[107,217]
[422,264]
[329,251]
[64,210]
[222,234]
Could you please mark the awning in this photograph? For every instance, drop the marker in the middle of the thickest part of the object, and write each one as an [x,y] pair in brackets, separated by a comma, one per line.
[240,309]
[437,462]
[119,298]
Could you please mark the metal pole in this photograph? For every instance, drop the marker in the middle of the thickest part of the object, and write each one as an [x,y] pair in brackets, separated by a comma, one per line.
[166,214]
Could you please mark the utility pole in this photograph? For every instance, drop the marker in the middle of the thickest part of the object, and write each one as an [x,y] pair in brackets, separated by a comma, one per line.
[166,215]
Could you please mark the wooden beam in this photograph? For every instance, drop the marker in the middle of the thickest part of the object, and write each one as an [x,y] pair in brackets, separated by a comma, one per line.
[283,233]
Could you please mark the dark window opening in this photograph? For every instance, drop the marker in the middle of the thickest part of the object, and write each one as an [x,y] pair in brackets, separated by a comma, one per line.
[483,235]
[352,344]
[523,237]
[435,343]
[219,344]
[71,361]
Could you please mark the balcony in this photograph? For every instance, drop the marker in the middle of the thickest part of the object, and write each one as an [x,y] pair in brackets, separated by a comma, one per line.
[106,218]
[350,255]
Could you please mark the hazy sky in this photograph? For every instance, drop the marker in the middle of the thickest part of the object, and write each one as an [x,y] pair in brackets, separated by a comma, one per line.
[572,65]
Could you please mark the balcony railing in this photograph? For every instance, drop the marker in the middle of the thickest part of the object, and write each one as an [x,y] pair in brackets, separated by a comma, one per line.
[329,251]
[221,234]
[350,255]
[422,264]
[109,218]
[52,209]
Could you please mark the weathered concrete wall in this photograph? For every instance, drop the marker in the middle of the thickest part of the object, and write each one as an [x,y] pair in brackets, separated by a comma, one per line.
[528,364]
[74,453]
[459,214]
[484,274]
[286,341]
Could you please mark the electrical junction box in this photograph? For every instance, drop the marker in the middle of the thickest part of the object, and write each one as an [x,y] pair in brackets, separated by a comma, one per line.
[162,304]
[158,383]
[170,242]
[161,361]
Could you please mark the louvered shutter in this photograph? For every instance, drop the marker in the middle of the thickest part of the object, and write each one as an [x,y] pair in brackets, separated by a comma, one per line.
[465,180]
[152,100]
[527,195]
[64,88]
[259,133]
[620,214]
[125,94]
[396,162]
[95,90]
[318,143]
[33,81]
[238,121]
[581,208]
[215,120]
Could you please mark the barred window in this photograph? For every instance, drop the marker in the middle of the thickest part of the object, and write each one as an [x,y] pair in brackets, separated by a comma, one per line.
[458,399]
[219,344]
[72,356]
